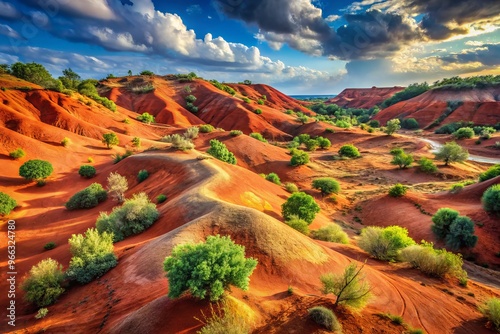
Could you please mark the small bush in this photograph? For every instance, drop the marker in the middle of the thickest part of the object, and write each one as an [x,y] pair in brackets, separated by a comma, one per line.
[7,204]
[464,133]
[192,132]
[427,166]
[384,243]
[65,142]
[190,98]
[456,188]
[42,286]
[229,318]
[136,141]
[302,205]
[206,128]
[49,245]
[461,234]
[258,136]
[235,133]
[291,187]
[392,126]
[492,172]
[324,317]
[299,158]
[92,255]
[126,121]
[208,268]
[87,198]
[179,142]
[433,262]
[119,157]
[274,178]
[398,190]
[142,175]
[324,143]
[298,224]
[117,186]
[36,170]
[42,313]
[402,159]
[331,233]
[330,130]
[146,118]
[258,111]
[410,124]
[87,171]
[491,310]
[442,220]
[133,217]
[311,145]
[491,199]
[349,151]
[90,160]
[219,151]
[17,153]
[326,185]
[452,152]
[161,198]
[110,139]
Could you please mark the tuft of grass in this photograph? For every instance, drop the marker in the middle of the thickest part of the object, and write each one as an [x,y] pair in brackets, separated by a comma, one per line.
[324,317]
[225,317]
[42,313]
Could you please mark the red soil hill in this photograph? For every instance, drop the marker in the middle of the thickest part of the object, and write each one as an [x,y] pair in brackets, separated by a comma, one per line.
[363,97]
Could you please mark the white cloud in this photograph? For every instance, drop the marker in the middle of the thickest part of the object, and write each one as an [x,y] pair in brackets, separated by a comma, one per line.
[332,18]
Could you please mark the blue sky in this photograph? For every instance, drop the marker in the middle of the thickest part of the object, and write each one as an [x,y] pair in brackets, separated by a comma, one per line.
[297,46]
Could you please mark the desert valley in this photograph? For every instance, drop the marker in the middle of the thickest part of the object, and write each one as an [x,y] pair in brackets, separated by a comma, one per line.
[301,185]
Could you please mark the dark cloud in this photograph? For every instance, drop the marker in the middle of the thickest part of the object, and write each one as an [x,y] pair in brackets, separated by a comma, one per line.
[487,55]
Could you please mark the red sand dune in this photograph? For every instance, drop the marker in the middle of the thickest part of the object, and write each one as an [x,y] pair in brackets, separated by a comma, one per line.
[363,97]
[481,106]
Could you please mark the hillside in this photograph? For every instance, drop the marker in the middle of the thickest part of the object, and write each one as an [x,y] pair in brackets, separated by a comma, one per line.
[481,106]
[365,98]
[206,196]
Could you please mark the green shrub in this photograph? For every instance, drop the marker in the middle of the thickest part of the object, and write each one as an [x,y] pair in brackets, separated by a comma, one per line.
[260,101]
[274,178]
[330,130]
[87,171]
[65,142]
[402,159]
[219,151]
[461,233]
[324,143]
[246,99]
[410,124]
[136,141]
[146,118]
[192,133]
[457,187]
[324,317]
[92,255]
[397,190]
[133,217]
[299,158]
[87,198]
[291,187]
[298,224]
[464,133]
[142,175]
[392,126]
[258,136]
[427,166]
[147,72]
[452,152]
[36,170]
[207,269]
[161,198]
[42,313]
[491,198]
[119,157]
[258,111]
[433,262]
[236,133]
[110,139]
[384,243]
[302,205]
[42,287]
[326,185]
[191,107]
[331,233]
[342,124]
[350,287]
[17,153]
[492,172]
[206,128]
[349,151]
[491,310]
[442,221]
[190,98]
[374,123]
[49,245]
[7,204]
[90,160]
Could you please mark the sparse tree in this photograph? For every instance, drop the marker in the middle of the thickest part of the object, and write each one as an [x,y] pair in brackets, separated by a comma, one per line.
[136,141]
[326,185]
[402,159]
[110,139]
[70,79]
[117,186]
[129,73]
[350,287]
[452,152]
[392,126]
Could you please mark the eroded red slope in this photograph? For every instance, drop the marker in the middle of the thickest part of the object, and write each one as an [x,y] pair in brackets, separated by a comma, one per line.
[363,97]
